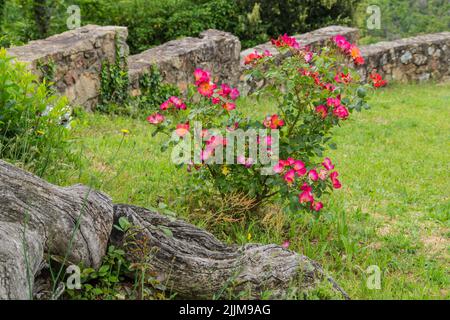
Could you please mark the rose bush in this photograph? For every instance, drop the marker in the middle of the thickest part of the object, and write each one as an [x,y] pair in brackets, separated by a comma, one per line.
[313,91]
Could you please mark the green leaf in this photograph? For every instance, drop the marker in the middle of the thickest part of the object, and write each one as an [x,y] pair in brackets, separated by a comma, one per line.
[103,269]
[124,224]
[166,231]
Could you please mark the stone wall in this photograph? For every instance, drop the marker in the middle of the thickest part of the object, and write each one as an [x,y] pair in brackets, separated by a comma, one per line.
[214,50]
[414,59]
[77,56]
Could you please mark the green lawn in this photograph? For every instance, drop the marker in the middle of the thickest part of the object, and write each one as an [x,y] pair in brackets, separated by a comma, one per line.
[392,212]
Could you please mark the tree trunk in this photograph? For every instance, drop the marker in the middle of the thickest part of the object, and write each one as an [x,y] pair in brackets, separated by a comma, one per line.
[37,218]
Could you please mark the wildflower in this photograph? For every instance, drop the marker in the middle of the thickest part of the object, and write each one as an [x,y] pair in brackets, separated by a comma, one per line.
[255,56]
[40,132]
[355,52]
[229,106]
[279,167]
[246,162]
[206,89]
[249,236]
[359,61]
[215,141]
[377,80]
[323,174]
[173,102]
[343,78]
[342,43]
[298,165]
[290,161]
[156,118]
[316,206]
[177,103]
[356,55]
[273,122]
[327,164]
[341,112]
[182,129]
[348,48]
[252,57]
[225,170]
[286,244]
[224,91]
[328,86]
[322,110]
[313,175]
[165,105]
[206,153]
[308,56]
[305,196]
[301,172]
[201,76]
[306,187]
[289,177]
[333,102]
[336,183]
[234,94]
[286,41]
[125,131]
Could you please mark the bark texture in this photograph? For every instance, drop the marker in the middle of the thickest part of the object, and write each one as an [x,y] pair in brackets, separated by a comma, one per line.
[38,218]
[193,263]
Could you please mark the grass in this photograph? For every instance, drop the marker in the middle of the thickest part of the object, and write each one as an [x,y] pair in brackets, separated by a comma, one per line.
[392,212]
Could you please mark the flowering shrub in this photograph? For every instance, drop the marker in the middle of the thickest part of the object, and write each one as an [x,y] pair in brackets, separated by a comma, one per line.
[313,91]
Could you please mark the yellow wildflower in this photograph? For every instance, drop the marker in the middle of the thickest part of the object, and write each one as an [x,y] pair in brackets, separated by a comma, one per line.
[225,170]
[125,131]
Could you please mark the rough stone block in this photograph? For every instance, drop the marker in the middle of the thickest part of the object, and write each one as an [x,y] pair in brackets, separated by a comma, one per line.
[416,59]
[77,56]
[214,50]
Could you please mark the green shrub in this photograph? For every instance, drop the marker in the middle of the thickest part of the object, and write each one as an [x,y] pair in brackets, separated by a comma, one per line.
[297,16]
[115,90]
[33,121]
[153,91]
[114,85]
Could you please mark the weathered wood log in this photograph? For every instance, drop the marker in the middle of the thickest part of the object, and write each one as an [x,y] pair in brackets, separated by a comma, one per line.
[38,217]
[193,263]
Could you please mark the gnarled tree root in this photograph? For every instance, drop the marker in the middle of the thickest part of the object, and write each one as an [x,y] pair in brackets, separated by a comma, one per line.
[38,219]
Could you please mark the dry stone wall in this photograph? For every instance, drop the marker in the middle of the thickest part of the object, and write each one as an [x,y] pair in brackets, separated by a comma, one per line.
[214,50]
[413,59]
[77,57]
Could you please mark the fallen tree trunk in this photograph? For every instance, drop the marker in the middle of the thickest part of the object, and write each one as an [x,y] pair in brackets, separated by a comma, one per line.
[37,218]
